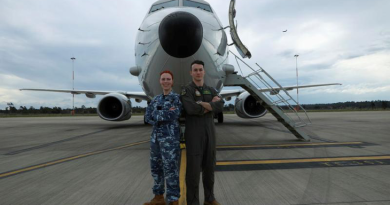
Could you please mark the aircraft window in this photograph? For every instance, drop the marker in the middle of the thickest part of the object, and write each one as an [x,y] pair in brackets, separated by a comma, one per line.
[197,5]
[164,5]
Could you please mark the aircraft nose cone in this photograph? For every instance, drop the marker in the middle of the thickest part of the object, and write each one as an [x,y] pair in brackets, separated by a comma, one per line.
[181,34]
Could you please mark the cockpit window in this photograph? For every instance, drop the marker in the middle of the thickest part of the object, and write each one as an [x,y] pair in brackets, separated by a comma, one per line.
[167,4]
[197,5]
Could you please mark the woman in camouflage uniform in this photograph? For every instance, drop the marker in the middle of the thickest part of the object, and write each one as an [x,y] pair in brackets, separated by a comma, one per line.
[163,113]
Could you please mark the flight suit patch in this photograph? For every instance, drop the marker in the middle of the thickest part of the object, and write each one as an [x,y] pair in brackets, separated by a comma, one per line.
[206,92]
[197,93]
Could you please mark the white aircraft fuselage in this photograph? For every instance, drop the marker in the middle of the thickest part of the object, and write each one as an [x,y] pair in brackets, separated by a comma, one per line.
[172,35]
[171,38]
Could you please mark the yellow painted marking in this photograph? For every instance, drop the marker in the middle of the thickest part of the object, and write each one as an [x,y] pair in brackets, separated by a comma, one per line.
[68,159]
[183,190]
[290,145]
[285,161]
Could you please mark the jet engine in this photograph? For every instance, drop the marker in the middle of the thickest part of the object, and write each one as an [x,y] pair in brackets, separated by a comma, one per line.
[246,106]
[114,107]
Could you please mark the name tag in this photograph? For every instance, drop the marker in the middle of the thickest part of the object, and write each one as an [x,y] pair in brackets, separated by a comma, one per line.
[206,92]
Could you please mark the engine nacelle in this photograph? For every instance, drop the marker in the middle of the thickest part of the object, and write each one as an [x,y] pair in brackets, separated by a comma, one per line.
[114,107]
[246,106]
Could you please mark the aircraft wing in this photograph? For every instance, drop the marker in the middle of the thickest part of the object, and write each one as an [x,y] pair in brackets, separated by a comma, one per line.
[232,93]
[93,93]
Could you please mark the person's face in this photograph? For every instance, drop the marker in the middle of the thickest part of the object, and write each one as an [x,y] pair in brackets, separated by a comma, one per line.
[197,72]
[166,81]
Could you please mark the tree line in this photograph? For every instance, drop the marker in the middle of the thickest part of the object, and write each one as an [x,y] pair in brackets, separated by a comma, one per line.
[349,105]
[57,110]
[366,105]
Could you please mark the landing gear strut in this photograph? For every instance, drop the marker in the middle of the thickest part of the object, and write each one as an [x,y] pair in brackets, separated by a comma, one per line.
[220,117]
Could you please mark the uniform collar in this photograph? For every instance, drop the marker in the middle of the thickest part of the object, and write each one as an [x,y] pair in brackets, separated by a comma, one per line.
[169,94]
[195,86]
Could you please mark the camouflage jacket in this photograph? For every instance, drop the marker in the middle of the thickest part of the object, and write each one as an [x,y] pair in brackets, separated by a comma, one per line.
[158,112]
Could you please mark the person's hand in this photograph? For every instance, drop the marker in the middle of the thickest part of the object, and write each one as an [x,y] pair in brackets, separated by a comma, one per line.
[205,111]
[215,99]
[206,106]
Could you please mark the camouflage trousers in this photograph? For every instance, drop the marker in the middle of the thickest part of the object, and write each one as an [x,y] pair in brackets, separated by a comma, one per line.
[164,162]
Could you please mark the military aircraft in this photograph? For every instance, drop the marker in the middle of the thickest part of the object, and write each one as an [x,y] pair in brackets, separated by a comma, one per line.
[173,34]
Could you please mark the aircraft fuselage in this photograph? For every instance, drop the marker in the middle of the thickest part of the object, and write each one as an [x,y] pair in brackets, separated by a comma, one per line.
[171,39]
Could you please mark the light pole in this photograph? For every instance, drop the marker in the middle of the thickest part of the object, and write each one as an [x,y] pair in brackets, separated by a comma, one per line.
[73,59]
[296,67]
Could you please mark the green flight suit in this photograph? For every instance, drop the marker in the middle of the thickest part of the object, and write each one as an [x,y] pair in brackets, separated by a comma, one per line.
[200,140]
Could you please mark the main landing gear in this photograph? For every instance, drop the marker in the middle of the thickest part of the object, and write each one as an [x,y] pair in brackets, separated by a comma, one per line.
[220,117]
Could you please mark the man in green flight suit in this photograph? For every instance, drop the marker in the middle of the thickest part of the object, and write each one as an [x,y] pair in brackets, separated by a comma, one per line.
[200,102]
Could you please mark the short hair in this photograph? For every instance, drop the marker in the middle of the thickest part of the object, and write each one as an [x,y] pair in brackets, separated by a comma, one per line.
[167,71]
[197,62]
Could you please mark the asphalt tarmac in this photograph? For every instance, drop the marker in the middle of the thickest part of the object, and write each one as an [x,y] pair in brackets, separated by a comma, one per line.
[85,160]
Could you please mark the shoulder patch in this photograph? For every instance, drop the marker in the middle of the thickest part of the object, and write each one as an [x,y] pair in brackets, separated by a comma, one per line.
[183,91]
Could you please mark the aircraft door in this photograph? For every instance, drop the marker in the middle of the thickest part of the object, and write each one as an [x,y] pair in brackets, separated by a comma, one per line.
[244,52]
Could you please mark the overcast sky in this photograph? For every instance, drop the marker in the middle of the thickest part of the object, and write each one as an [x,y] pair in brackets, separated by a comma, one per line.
[337,41]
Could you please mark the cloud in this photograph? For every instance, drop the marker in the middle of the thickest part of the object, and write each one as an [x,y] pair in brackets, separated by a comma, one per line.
[372,68]
[364,89]
[10,81]
[337,41]
[363,78]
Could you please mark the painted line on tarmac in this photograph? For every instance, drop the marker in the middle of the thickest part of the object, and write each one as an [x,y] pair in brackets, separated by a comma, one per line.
[321,139]
[302,163]
[182,177]
[53,143]
[68,159]
[296,145]
[61,141]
